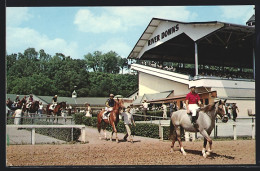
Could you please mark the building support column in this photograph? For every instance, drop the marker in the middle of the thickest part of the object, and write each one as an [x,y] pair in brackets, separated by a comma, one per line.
[254,62]
[196,60]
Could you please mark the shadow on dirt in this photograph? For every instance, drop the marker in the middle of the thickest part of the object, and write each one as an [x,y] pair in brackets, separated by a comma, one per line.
[211,156]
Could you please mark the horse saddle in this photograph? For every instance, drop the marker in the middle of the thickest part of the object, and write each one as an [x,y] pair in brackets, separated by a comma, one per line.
[51,107]
[106,115]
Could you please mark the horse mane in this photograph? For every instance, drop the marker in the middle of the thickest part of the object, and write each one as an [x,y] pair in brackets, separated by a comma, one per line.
[208,108]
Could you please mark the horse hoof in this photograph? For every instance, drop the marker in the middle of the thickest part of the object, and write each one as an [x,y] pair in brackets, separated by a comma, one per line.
[184,153]
[205,155]
[171,151]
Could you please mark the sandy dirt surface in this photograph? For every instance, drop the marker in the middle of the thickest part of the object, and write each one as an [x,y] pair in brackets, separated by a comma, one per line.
[143,151]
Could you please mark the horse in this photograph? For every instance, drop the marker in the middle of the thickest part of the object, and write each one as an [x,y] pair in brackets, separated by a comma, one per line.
[19,105]
[205,122]
[57,110]
[32,109]
[112,120]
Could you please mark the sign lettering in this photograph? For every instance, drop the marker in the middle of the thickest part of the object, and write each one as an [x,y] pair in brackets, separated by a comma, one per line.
[163,34]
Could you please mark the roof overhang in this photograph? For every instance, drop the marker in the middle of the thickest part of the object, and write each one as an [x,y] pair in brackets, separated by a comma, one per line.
[218,43]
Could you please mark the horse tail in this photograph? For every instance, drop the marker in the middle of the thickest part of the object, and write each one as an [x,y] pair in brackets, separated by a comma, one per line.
[99,120]
[172,131]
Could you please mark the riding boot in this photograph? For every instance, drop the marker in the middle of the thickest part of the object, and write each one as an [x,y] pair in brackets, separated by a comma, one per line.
[193,119]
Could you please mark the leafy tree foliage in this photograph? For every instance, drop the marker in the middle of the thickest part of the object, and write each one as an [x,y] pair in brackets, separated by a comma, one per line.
[97,75]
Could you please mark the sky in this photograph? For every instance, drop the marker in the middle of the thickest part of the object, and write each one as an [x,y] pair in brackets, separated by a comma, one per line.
[77,31]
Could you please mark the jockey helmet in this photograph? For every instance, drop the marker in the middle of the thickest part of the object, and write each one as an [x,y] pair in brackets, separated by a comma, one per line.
[56,95]
[111,95]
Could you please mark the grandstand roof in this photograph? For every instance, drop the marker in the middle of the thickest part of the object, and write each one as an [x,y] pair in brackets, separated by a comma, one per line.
[218,43]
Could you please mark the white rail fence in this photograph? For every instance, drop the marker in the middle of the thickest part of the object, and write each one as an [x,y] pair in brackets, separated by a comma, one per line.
[33,127]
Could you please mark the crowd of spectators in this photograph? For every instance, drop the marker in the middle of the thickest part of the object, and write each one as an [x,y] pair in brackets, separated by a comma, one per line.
[227,74]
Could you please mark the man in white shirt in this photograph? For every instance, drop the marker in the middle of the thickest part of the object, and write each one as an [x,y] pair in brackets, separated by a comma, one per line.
[164,107]
[145,107]
[128,121]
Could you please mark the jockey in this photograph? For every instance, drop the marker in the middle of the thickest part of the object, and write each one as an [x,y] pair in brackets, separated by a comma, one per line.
[16,100]
[109,104]
[54,101]
[30,101]
[192,101]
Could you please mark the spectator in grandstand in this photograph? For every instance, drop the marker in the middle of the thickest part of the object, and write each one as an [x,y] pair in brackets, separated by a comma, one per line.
[234,111]
[129,121]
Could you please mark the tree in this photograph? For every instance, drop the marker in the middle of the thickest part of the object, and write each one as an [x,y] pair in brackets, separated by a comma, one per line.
[110,62]
[123,63]
[41,74]
[94,61]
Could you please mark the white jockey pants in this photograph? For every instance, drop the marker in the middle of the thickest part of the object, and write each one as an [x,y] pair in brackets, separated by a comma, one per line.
[193,108]
[108,109]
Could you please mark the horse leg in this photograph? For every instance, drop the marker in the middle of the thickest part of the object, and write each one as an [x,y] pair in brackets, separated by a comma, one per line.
[114,130]
[173,140]
[206,139]
[111,136]
[99,127]
[204,148]
[178,131]
[172,135]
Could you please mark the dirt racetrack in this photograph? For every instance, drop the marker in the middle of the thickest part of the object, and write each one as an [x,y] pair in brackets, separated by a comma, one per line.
[144,151]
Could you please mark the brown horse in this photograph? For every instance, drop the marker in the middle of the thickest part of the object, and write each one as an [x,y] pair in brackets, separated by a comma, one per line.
[32,109]
[57,110]
[113,119]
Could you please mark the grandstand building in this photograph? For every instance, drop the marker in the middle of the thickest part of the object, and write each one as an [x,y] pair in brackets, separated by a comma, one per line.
[217,57]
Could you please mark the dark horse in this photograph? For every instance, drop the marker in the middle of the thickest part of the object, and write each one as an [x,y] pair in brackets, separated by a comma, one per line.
[113,119]
[19,105]
[57,110]
[32,109]
[205,121]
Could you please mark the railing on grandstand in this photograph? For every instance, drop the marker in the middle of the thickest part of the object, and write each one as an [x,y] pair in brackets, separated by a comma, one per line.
[203,73]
